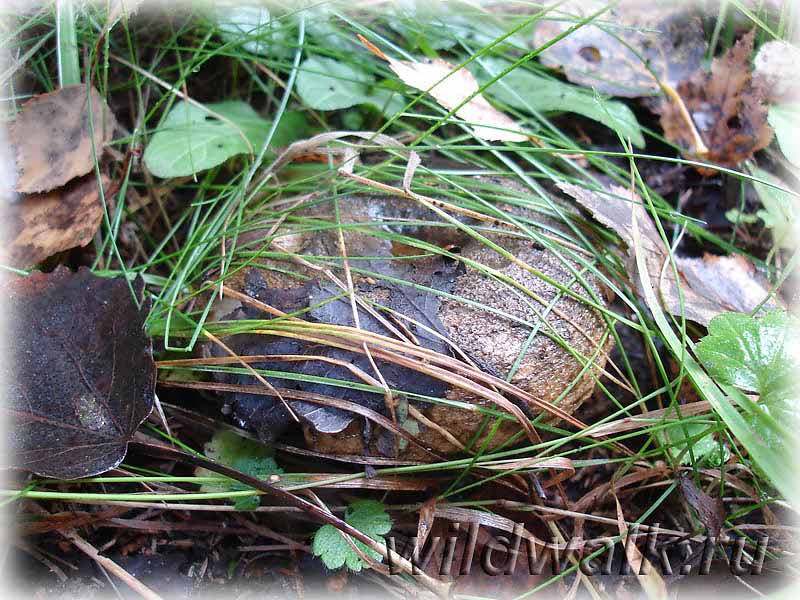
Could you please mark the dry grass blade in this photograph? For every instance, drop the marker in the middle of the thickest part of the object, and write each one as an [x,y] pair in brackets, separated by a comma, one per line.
[308,397]
[650,417]
[650,580]
[440,588]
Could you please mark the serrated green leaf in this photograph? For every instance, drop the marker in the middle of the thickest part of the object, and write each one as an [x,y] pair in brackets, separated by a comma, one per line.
[772,462]
[191,140]
[369,517]
[328,84]
[330,546]
[527,91]
[750,353]
[785,120]
[753,354]
[244,455]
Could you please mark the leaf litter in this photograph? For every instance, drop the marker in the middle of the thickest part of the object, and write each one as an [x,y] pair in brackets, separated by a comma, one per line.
[80,377]
[726,107]
[709,286]
[40,225]
[452,87]
[631,50]
[53,139]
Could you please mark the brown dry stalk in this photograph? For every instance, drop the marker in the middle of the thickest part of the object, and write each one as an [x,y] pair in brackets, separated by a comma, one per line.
[701,150]
[438,587]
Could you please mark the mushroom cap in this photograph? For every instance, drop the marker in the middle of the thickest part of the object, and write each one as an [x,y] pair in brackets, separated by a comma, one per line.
[506,317]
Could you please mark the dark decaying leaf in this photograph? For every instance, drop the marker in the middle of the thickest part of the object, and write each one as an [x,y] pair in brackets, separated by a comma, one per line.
[726,107]
[267,415]
[628,51]
[78,369]
[40,225]
[710,511]
[709,286]
[52,137]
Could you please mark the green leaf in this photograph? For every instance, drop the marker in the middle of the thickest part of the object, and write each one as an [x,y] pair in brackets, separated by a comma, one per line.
[781,211]
[753,354]
[772,461]
[243,455]
[238,23]
[785,120]
[734,215]
[191,140]
[388,101]
[369,517]
[678,437]
[327,84]
[750,353]
[527,91]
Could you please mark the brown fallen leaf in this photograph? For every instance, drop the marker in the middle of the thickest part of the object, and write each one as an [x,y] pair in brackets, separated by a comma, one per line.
[726,107]
[487,122]
[40,225]
[628,51]
[710,511]
[52,137]
[427,514]
[78,371]
[710,285]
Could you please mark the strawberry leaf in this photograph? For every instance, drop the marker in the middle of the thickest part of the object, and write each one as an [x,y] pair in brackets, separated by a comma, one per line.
[751,354]
[330,545]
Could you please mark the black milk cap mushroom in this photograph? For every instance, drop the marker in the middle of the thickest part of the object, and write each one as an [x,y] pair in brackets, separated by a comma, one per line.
[437,310]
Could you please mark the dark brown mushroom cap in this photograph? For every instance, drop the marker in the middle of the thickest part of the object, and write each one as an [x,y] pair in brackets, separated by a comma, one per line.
[487,321]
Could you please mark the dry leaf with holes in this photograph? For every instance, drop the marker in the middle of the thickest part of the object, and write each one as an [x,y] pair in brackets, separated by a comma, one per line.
[53,137]
[41,225]
[451,87]
[629,51]
[709,286]
[726,107]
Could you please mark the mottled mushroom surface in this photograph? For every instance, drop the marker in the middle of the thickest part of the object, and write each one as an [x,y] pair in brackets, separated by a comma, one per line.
[432,283]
